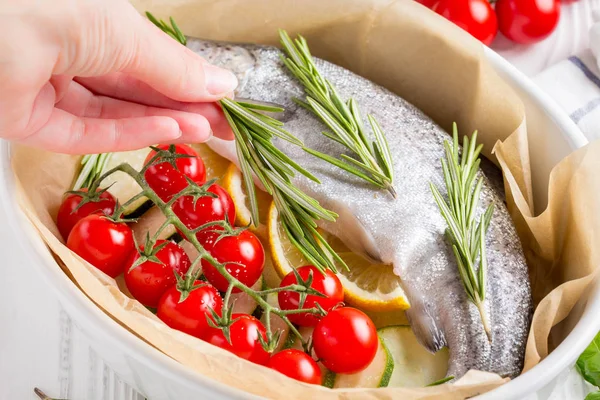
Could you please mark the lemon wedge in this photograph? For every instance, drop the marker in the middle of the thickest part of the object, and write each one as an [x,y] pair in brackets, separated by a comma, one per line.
[234,185]
[368,286]
[284,254]
[371,287]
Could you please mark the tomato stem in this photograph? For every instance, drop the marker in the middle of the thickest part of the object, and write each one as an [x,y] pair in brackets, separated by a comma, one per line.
[194,272]
[150,243]
[228,295]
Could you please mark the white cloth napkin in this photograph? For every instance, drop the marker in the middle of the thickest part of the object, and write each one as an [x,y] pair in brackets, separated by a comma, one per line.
[574,83]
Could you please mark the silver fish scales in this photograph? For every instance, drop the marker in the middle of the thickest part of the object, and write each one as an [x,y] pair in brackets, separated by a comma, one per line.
[407,232]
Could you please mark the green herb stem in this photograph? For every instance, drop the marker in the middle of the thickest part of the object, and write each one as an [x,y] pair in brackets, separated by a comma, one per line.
[372,160]
[92,166]
[466,235]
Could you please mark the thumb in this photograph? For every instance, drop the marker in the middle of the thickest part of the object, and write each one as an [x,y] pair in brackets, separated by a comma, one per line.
[118,39]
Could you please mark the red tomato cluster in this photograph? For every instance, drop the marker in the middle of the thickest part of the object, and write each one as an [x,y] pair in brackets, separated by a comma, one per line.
[522,21]
[344,339]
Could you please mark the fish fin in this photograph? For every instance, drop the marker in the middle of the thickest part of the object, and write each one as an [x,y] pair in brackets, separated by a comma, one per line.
[425,327]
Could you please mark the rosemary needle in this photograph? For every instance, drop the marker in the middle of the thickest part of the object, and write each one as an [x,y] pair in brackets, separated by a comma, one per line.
[372,160]
[466,235]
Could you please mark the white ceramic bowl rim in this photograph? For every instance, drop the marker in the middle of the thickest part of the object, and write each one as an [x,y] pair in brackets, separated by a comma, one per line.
[123,340]
[588,325]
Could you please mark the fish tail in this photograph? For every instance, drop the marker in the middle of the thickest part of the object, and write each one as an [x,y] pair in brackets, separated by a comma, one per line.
[425,328]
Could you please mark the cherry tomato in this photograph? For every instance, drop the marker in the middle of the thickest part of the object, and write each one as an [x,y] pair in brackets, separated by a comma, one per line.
[244,339]
[67,217]
[298,365]
[148,281]
[190,315]
[475,16]
[345,340]
[527,21]
[206,209]
[166,180]
[103,243]
[327,284]
[428,3]
[243,256]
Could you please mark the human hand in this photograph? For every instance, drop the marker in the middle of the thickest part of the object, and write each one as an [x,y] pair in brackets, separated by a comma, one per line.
[93,76]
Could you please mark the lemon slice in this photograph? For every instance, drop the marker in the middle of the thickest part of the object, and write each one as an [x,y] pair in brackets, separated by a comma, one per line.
[216,166]
[368,286]
[371,287]
[233,183]
[284,254]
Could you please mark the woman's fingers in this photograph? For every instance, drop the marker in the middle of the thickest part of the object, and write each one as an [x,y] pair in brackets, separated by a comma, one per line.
[126,87]
[61,84]
[115,38]
[96,38]
[67,133]
[79,101]
[122,86]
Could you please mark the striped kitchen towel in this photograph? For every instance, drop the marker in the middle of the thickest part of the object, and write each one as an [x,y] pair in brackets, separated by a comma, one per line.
[575,85]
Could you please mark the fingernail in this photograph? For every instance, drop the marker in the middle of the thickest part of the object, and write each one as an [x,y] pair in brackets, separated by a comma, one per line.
[219,81]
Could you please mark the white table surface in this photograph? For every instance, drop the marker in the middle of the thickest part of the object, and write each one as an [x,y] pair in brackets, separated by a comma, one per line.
[31,320]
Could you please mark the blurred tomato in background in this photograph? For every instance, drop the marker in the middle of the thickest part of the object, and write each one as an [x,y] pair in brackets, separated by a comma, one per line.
[522,21]
[475,16]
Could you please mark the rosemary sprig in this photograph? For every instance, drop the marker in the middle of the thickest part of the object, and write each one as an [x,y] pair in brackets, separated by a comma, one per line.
[274,169]
[92,166]
[372,161]
[466,235]
[172,30]
[258,156]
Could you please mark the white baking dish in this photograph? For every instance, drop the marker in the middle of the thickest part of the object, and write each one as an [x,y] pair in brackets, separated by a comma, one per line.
[158,377]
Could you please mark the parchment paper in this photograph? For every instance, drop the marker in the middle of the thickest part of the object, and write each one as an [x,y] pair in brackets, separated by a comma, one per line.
[439,68]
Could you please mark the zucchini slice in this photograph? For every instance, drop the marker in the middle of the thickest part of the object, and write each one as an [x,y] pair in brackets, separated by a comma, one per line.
[243,303]
[387,318]
[124,187]
[329,379]
[189,249]
[149,224]
[306,333]
[414,366]
[377,374]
